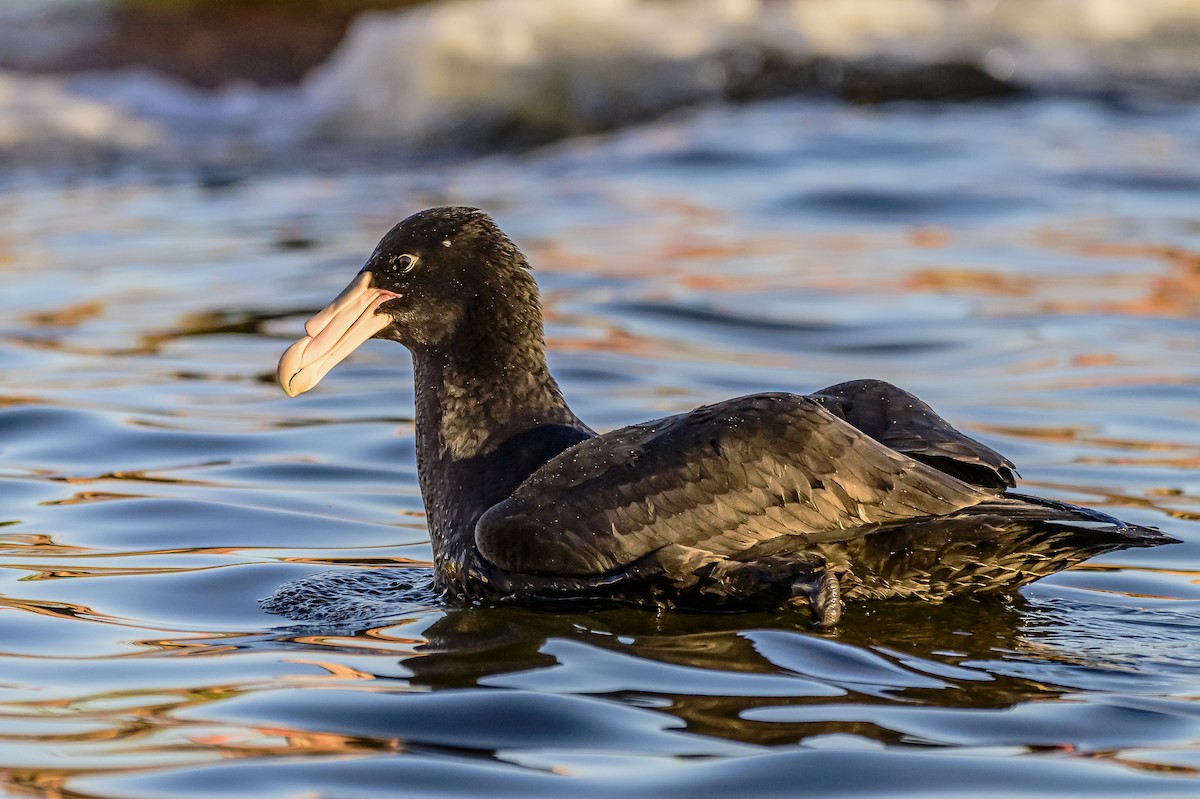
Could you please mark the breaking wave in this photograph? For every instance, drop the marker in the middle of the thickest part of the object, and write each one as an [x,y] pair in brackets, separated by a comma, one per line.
[480,73]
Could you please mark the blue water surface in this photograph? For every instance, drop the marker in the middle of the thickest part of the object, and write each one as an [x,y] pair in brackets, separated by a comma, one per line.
[1031,268]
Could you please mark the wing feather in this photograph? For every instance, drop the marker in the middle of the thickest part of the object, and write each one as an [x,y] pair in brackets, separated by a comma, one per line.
[723,478]
[903,422]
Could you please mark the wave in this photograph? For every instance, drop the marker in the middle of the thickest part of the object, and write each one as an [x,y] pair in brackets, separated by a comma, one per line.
[479,73]
[485,68]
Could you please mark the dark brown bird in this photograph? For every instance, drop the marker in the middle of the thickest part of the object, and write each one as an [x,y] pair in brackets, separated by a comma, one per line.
[858,491]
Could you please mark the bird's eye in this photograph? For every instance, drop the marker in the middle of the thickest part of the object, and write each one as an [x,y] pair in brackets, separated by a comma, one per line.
[405,263]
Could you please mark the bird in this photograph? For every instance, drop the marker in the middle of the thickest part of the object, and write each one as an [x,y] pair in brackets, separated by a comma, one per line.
[859,491]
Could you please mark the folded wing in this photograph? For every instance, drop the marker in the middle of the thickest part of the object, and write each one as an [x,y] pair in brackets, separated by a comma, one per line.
[901,421]
[739,479]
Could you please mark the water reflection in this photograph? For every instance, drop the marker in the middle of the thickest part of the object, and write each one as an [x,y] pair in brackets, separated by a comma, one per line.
[515,687]
[713,672]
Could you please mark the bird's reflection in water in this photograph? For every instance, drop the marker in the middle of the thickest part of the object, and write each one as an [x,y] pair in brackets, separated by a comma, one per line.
[712,671]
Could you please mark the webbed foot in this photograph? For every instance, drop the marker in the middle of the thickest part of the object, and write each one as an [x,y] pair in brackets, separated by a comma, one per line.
[823,595]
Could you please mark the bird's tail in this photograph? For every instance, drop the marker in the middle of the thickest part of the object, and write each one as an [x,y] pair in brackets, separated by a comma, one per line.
[994,547]
[1108,532]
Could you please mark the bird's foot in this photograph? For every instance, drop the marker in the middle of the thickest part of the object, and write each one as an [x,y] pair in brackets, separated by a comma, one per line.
[823,595]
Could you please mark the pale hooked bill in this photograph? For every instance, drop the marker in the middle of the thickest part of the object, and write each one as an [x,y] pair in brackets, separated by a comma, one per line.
[333,333]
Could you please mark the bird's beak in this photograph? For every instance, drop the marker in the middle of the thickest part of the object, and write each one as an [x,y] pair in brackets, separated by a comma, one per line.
[336,331]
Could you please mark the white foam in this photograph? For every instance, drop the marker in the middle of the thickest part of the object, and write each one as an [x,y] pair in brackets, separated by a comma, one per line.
[40,118]
[470,71]
[465,67]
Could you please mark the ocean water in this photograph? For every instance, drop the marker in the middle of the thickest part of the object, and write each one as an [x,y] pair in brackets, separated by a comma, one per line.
[1030,266]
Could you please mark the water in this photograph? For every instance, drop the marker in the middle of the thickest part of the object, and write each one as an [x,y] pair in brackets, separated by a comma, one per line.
[1029,267]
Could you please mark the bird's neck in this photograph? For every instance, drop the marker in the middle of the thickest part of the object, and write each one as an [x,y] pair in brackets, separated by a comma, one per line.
[488,413]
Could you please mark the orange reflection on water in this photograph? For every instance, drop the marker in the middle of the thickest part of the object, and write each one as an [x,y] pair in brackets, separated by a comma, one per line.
[41,572]
[1130,760]
[336,671]
[968,280]
[59,610]
[617,340]
[1110,498]
[357,561]
[1175,293]
[360,643]
[83,497]
[138,476]
[205,646]
[257,741]
[68,315]
[1079,435]
[36,544]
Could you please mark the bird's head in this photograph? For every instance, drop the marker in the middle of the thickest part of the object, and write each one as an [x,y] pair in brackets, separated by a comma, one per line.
[433,275]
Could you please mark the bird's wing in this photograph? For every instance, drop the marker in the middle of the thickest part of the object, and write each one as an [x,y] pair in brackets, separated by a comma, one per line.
[734,479]
[899,420]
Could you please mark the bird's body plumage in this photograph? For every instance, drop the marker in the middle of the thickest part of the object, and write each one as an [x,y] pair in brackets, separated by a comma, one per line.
[857,491]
